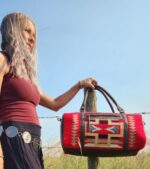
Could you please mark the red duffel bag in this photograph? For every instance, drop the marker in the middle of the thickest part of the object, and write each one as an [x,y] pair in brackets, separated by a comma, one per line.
[102,134]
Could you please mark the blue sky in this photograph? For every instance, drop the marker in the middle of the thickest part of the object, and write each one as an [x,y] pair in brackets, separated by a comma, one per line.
[108,40]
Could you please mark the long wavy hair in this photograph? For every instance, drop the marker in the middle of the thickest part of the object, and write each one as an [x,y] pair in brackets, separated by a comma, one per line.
[22,61]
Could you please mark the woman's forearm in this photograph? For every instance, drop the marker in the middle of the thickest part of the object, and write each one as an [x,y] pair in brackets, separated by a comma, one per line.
[60,101]
[63,99]
[66,97]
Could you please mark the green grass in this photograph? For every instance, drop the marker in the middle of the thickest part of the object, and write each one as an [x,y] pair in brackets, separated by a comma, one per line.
[141,161]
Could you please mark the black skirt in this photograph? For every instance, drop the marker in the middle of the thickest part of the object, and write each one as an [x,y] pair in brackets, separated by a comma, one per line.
[19,154]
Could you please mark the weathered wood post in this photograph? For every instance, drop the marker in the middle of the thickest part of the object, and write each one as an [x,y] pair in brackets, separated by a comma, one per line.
[93,162]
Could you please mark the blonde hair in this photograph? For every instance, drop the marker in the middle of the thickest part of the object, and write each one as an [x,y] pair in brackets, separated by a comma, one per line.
[22,61]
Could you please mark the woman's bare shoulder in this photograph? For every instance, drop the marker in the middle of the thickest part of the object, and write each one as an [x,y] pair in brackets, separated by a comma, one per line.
[3,64]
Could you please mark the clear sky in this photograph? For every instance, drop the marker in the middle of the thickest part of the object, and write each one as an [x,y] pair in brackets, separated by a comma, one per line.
[108,40]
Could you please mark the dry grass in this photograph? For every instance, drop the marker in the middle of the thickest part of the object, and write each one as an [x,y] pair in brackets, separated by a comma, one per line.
[140,161]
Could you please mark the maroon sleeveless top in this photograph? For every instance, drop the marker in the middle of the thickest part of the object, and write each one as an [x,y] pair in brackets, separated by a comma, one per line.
[18,100]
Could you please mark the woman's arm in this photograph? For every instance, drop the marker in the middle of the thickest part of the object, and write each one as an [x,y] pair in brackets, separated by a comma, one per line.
[4,68]
[62,100]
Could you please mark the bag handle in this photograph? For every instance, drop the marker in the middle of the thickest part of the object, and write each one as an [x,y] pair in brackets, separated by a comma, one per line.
[107,97]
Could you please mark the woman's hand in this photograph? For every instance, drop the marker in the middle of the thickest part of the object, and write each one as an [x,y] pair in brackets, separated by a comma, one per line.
[89,83]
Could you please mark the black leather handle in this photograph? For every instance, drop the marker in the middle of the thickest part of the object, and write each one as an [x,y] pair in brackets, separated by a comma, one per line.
[107,96]
[101,89]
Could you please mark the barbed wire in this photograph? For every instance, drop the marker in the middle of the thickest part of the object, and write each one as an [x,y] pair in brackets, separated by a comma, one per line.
[59,117]
[50,117]
[145,113]
[49,147]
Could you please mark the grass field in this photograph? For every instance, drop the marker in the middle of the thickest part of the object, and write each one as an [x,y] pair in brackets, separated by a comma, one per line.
[141,161]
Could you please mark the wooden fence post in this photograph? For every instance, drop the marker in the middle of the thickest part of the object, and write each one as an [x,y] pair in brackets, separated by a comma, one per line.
[93,162]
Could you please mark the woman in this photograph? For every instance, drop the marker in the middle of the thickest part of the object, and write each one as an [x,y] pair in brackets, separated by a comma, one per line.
[20,94]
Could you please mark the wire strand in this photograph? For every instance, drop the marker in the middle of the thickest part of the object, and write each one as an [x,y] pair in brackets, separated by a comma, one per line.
[59,118]
[145,113]
[48,117]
